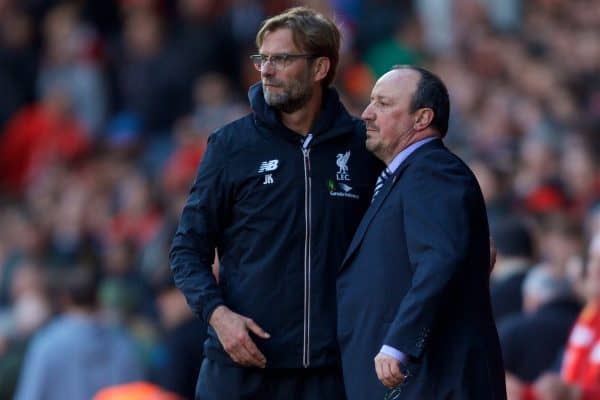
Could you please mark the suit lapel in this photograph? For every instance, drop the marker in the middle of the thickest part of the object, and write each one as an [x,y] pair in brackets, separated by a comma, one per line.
[379,200]
[372,211]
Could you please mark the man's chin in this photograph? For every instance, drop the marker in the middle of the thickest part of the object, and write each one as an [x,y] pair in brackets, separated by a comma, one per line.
[286,105]
[371,146]
[272,99]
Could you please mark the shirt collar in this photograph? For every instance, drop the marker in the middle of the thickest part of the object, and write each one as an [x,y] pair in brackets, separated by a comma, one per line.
[400,157]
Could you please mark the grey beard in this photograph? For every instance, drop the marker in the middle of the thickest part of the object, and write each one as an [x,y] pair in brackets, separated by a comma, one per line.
[288,104]
[293,99]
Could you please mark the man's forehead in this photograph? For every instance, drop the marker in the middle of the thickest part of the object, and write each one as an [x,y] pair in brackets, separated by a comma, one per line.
[278,40]
[383,91]
[396,82]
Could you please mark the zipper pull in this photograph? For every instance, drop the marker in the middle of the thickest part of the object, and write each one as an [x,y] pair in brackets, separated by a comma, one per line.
[306,141]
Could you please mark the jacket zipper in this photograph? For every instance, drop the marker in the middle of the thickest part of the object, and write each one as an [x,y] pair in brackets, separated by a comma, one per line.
[307,261]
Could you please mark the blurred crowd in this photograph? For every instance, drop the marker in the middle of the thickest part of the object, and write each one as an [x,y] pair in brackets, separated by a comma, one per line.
[106,106]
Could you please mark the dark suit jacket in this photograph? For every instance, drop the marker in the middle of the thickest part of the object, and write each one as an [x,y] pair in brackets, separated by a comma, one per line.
[416,277]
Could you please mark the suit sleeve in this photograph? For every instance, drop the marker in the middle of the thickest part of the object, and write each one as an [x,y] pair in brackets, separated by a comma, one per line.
[202,220]
[436,203]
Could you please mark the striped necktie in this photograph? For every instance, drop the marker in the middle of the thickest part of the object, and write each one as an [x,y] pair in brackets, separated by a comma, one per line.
[386,173]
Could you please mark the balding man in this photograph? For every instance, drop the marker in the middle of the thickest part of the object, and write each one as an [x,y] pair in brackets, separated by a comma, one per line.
[413,290]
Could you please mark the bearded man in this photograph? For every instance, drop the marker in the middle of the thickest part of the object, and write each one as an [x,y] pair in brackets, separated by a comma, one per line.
[279,194]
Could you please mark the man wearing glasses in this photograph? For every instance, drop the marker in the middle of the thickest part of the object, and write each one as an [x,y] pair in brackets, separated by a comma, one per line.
[279,195]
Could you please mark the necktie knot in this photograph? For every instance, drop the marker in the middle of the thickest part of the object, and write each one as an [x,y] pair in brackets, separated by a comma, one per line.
[385,174]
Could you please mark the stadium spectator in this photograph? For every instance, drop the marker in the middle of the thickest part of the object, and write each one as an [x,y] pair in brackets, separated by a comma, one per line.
[181,351]
[531,340]
[579,377]
[18,62]
[514,258]
[37,137]
[76,355]
[71,61]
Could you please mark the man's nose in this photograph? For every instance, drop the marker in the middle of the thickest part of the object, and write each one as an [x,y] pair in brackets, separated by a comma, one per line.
[367,114]
[267,68]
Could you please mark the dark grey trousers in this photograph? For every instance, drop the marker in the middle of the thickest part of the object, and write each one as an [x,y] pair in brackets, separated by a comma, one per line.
[225,382]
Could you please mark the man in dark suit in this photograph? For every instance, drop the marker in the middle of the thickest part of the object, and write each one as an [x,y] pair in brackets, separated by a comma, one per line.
[413,290]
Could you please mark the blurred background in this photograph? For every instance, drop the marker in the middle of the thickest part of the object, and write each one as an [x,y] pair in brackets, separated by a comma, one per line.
[106,105]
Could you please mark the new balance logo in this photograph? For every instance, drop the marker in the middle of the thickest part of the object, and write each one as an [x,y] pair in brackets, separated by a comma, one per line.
[268,179]
[267,166]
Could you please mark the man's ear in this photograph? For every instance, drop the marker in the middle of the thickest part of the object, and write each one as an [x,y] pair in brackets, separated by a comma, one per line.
[321,68]
[424,118]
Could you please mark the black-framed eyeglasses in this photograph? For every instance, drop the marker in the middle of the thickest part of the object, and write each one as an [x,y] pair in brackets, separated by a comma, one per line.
[279,61]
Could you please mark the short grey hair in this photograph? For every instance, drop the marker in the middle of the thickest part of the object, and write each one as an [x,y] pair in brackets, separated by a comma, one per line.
[545,285]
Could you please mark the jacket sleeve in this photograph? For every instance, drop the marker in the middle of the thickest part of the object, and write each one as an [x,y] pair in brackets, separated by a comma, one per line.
[437,222]
[201,224]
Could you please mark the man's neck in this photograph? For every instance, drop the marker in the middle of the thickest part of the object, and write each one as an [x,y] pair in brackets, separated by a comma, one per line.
[302,120]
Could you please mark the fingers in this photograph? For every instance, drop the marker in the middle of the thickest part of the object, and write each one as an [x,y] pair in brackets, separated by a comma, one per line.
[388,380]
[388,371]
[253,326]
[238,352]
[244,352]
[395,373]
[232,331]
[379,371]
[254,356]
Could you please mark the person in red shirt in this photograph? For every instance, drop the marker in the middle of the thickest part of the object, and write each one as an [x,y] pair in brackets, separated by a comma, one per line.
[38,136]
